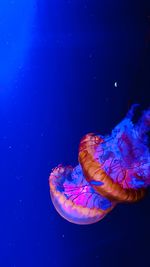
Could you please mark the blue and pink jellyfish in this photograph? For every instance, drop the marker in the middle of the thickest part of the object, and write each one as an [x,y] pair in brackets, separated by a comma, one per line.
[112,169]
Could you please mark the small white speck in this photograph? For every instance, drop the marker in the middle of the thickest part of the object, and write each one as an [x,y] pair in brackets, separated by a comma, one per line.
[116,84]
[63,236]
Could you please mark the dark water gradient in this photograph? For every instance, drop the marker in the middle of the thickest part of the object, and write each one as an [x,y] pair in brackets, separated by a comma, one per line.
[65,90]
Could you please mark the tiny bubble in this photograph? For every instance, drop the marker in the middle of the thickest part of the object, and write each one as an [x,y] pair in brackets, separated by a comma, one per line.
[116,84]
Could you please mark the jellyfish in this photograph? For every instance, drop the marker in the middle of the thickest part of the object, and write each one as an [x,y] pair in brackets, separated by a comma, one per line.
[74,198]
[112,169]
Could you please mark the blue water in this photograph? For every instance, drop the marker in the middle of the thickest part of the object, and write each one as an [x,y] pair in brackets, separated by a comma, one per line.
[67,68]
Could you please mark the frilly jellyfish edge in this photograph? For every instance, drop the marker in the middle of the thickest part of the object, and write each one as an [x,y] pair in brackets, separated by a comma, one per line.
[112,169]
[75,200]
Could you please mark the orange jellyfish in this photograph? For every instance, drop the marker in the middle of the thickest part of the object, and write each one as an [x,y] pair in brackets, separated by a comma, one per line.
[112,169]
[120,161]
[74,198]
[99,171]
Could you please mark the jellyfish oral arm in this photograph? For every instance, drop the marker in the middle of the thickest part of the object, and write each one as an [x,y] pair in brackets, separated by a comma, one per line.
[112,169]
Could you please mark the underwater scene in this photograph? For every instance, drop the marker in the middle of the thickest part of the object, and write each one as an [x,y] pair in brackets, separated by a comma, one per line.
[75,133]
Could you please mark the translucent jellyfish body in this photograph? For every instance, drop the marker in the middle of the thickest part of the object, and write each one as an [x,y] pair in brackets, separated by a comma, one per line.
[113,168]
[74,198]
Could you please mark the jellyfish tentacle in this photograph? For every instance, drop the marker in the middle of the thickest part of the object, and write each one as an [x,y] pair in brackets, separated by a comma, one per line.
[112,169]
[131,111]
[92,169]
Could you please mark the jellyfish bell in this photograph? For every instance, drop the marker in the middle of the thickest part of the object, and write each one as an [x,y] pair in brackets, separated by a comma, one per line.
[121,161]
[112,169]
[74,198]
[101,172]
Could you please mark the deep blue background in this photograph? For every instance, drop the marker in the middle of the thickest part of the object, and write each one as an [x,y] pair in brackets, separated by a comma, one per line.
[64,89]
